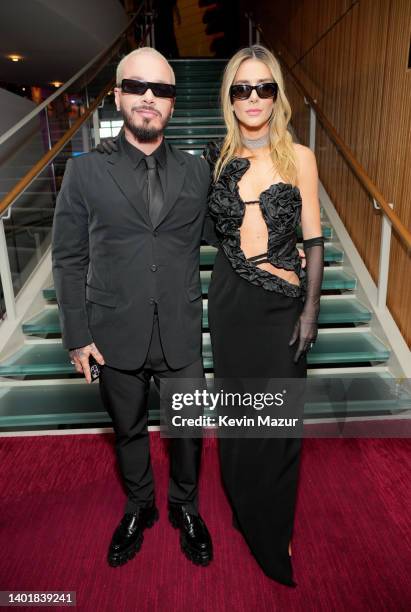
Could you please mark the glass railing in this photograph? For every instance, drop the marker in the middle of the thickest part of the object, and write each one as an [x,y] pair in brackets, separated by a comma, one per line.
[33,156]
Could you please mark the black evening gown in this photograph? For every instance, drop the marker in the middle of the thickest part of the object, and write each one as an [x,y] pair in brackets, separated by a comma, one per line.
[252,314]
[250,330]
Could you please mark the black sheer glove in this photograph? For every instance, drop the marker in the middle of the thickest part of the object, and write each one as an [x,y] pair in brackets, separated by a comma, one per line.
[306,328]
[107,145]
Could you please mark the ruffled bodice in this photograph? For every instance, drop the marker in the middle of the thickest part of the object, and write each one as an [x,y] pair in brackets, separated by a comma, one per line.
[280,206]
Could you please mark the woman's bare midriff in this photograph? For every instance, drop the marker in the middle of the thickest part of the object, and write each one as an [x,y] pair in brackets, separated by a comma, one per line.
[254,241]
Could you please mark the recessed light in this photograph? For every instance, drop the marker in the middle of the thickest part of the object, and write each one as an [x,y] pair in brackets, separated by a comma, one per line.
[15,58]
[56,83]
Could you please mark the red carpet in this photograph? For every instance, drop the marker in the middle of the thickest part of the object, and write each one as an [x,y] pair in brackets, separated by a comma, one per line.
[61,500]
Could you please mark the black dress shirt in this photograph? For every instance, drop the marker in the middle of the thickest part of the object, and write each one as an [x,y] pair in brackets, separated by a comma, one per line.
[137,156]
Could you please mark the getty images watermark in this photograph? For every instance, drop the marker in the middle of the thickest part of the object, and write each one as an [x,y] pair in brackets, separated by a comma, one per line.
[212,401]
[232,408]
[320,406]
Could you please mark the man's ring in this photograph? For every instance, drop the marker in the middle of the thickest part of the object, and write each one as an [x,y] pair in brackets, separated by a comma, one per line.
[72,362]
[310,346]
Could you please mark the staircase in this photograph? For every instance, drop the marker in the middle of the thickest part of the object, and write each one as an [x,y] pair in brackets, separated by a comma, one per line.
[39,388]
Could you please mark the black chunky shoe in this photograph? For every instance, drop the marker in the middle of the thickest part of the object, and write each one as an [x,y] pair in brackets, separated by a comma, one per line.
[195,539]
[128,537]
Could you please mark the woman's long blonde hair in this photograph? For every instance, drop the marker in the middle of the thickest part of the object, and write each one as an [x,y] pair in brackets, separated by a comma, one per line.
[282,150]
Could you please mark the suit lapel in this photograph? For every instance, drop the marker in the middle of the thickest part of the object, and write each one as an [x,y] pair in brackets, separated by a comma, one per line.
[122,173]
[176,172]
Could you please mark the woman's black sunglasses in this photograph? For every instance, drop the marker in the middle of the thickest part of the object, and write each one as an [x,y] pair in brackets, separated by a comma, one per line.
[160,90]
[264,90]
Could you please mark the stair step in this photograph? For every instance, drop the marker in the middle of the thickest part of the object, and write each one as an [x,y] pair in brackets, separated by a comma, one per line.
[193,143]
[343,309]
[334,279]
[198,121]
[331,348]
[30,404]
[41,359]
[61,403]
[188,77]
[187,131]
[176,63]
[198,96]
[197,112]
[191,103]
[345,394]
[201,88]
[334,310]
[46,322]
[47,357]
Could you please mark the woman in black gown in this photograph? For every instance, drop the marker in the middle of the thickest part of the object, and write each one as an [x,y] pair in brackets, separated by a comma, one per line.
[262,304]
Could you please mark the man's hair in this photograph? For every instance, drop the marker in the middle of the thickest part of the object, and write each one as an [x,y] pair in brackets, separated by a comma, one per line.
[150,50]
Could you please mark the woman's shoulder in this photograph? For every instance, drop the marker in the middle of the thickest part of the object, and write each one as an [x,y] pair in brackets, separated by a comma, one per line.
[303,155]
[306,163]
[302,151]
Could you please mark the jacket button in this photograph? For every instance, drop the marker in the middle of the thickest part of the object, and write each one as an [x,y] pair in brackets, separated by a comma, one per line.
[153,268]
[155,234]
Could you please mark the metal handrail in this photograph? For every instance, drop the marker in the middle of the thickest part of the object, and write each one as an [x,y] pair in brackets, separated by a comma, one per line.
[345,151]
[13,130]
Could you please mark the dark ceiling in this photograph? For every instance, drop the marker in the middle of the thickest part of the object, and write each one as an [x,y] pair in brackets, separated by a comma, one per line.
[54,43]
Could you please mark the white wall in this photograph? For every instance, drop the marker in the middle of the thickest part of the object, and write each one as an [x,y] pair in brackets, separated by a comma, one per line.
[14,108]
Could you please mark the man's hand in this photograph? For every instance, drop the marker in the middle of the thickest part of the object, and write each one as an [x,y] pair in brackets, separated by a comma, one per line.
[301,253]
[80,359]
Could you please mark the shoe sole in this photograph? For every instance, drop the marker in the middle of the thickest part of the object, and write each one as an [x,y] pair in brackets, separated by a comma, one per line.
[192,555]
[129,554]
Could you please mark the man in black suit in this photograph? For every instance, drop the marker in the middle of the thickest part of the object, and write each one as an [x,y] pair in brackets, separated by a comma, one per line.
[126,254]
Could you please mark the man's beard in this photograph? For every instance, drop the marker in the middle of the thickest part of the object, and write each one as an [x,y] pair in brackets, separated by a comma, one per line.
[143,133]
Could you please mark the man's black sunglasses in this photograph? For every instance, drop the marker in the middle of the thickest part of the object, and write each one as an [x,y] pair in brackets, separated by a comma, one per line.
[264,90]
[160,90]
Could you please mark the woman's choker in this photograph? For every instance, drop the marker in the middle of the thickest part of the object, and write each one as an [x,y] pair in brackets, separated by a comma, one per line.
[256,143]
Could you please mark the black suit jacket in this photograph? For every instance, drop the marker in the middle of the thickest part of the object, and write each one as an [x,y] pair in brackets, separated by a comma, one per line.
[111,266]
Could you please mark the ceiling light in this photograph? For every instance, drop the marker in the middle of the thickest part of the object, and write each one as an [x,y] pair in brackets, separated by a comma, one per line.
[56,83]
[14,57]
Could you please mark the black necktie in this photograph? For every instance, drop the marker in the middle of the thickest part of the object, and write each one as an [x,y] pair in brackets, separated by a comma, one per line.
[155,195]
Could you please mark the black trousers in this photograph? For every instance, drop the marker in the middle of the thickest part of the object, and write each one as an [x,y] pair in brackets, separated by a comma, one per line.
[124,394]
